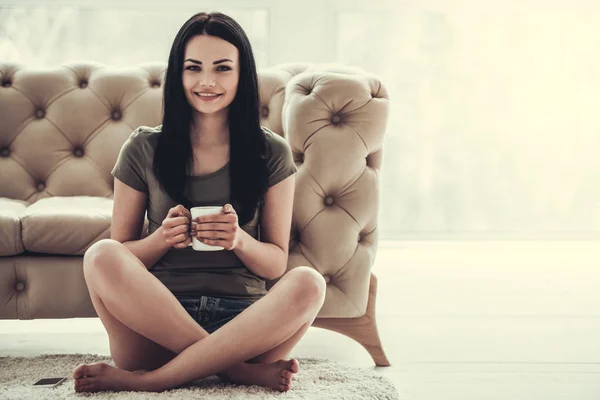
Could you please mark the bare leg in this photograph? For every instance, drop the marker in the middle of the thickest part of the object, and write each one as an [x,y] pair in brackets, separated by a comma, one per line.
[133,352]
[146,306]
[129,350]
[283,350]
[108,265]
[264,325]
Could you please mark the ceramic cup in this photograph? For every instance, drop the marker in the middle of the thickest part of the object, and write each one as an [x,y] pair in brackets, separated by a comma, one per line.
[205,210]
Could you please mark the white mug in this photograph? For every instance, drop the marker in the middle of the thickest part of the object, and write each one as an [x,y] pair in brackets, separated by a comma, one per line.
[205,210]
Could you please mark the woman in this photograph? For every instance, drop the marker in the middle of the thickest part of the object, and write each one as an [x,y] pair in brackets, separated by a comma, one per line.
[172,314]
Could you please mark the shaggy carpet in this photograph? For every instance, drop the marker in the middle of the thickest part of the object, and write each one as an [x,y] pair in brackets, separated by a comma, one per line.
[317,379]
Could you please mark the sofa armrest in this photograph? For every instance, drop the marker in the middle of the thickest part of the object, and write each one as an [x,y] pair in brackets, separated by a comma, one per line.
[334,118]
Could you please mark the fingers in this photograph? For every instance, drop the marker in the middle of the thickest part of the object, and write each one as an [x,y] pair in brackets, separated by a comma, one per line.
[171,223]
[175,211]
[227,244]
[222,218]
[174,239]
[179,237]
[211,235]
[216,226]
[228,209]
[177,230]
[179,210]
[184,244]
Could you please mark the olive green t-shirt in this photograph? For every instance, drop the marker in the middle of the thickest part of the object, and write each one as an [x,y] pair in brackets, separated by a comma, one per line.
[186,272]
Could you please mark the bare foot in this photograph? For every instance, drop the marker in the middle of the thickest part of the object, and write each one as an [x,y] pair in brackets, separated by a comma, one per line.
[277,375]
[99,376]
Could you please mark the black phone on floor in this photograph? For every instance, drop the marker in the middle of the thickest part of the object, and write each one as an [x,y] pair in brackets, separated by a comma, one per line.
[49,382]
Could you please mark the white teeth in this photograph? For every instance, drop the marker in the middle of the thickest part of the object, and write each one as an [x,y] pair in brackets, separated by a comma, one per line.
[207,94]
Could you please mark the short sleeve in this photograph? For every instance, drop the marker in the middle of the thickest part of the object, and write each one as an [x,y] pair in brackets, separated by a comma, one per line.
[281,161]
[131,163]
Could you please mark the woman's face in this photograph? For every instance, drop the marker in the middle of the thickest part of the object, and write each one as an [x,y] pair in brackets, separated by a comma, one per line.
[210,73]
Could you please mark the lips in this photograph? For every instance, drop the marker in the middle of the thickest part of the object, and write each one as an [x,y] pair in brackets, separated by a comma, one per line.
[206,96]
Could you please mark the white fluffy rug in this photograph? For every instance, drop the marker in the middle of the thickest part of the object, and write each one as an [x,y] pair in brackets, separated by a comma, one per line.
[317,379]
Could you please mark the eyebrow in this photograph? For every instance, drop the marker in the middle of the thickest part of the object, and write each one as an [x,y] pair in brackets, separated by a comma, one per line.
[215,62]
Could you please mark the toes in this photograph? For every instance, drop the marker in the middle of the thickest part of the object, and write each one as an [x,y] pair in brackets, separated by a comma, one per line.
[84,384]
[84,389]
[286,374]
[294,365]
[90,370]
[79,372]
[284,388]
[84,381]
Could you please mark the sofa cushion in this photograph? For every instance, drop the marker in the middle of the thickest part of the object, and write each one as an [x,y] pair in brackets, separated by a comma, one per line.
[66,225]
[10,226]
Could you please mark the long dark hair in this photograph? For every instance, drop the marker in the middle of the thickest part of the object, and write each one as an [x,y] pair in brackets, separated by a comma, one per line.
[173,156]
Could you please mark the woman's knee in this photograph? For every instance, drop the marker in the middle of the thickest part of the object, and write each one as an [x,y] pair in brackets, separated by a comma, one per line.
[102,257]
[308,285]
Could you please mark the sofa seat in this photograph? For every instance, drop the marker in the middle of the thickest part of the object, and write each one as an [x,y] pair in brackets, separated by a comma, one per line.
[65,225]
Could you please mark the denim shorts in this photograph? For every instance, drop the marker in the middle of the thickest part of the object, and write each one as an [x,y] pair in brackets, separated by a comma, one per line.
[213,312]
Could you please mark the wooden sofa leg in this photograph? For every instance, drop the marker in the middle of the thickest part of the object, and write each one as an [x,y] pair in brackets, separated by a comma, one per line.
[362,329]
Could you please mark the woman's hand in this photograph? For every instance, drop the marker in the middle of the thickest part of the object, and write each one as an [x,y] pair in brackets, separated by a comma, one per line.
[218,229]
[176,227]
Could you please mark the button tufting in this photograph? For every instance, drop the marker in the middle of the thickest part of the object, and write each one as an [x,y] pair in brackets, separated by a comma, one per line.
[40,187]
[336,119]
[78,152]
[40,113]
[6,83]
[5,152]
[265,111]
[155,84]
[327,278]
[116,115]
[83,84]
[329,200]
[20,286]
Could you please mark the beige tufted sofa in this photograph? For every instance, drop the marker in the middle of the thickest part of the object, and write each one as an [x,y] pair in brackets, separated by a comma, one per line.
[61,130]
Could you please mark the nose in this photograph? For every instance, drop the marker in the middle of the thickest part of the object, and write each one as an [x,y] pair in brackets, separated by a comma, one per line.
[207,81]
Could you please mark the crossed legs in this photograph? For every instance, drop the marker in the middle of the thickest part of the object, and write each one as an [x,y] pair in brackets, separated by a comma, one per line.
[149,330]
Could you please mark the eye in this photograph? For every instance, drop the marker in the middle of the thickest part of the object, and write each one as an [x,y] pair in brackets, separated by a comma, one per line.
[224,68]
[191,68]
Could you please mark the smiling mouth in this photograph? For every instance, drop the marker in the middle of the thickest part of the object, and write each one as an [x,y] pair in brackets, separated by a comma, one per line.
[208,96]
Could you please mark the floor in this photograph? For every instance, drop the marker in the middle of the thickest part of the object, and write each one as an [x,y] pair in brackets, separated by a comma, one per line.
[459,320]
